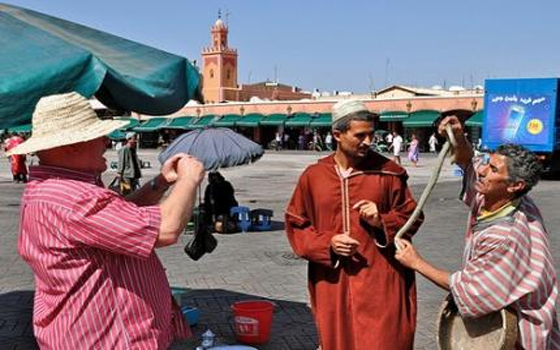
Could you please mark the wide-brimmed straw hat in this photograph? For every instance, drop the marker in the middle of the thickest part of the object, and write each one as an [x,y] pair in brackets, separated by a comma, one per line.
[65,119]
[346,108]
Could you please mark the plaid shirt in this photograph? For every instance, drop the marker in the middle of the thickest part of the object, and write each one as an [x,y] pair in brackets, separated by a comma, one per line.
[99,283]
[507,262]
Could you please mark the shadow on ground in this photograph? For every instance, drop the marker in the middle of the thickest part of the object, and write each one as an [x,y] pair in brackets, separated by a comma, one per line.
[16,331]
[292,323]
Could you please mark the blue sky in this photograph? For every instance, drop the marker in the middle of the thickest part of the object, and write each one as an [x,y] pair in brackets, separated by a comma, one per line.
[344,45]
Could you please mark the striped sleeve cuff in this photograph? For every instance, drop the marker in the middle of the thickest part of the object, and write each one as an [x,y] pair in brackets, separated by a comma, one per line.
[454,286]
[151,232]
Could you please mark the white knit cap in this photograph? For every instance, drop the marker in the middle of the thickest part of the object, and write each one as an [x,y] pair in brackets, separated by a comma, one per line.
[64,119]
[346,107]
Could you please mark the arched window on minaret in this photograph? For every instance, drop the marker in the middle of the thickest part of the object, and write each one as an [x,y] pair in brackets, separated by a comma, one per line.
[228,74]
[211,73]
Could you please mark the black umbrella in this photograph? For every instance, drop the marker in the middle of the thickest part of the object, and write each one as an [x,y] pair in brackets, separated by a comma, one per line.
[215,147]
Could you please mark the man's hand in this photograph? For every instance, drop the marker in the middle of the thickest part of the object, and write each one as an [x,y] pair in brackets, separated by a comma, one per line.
[344,245]
[409,257]
[463,151]
[456,126]
[182,165]
[190,168]
[368,212]
[407,254]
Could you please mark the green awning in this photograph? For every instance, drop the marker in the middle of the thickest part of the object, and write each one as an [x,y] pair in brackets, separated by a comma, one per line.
[132,122]
[117,135]
[181,123]
[393,116]
[44,55]
[202,122]
[250,120]
[421,119]
[274,120]
[299,119]
[150,125]
[323,120]
[227,120]
[476,119]
[21,128]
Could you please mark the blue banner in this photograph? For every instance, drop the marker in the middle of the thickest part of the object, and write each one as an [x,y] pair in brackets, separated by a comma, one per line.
[521,112]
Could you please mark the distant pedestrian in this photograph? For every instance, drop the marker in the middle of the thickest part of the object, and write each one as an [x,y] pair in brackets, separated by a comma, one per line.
[278,141]
[389,139]
[17,161]
[286,140]
[413,151]
[328,141]
[301,141]
[396,145]
[129,165]
[433,142]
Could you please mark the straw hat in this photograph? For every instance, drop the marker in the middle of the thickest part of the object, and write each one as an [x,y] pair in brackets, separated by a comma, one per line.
[345,108]
[65,119]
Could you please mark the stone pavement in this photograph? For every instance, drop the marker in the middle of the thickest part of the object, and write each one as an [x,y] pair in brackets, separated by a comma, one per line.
[258,265]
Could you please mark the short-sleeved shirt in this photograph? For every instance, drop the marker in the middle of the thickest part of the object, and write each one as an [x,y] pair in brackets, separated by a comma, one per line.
[99,283]
[507,263]
[397,145]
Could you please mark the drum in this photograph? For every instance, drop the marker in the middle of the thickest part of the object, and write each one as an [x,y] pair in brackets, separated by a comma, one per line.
[495,331]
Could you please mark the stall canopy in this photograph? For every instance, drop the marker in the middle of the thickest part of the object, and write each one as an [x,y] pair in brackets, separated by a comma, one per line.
[43,55]
[299,119]
[21,128]
[227,120]
[476,119]
[274,120]
[421,119]
[202,122]
[323,120]
[150,125]
[181,123]
[250,120]
[120,134]
[393,116]
[132,122]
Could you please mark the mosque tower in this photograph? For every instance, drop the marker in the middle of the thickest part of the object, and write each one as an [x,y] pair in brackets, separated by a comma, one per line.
[219,67]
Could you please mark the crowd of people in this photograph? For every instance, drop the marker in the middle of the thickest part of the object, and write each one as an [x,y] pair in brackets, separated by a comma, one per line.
[93,251]
[303,140]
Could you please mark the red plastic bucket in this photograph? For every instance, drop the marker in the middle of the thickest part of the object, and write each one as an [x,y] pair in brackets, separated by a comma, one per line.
[252,320]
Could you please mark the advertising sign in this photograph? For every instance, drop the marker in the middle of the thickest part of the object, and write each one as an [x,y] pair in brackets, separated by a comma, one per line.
[520,111]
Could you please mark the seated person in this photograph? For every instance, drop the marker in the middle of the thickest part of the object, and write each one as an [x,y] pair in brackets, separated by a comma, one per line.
[219,198]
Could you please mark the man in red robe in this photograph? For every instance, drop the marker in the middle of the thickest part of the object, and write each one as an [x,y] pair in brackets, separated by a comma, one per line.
[342,218]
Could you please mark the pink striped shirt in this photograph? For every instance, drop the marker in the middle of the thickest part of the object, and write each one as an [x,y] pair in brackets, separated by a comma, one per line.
[507,262]
[99,283]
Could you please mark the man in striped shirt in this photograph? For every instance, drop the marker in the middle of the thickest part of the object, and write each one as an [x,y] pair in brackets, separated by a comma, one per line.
[507,260]
[99,283]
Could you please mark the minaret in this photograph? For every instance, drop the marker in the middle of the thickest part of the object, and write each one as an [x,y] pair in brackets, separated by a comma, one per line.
[219,67]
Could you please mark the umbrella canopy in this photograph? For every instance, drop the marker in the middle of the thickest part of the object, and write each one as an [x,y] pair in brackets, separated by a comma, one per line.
[43,55]
[215,148]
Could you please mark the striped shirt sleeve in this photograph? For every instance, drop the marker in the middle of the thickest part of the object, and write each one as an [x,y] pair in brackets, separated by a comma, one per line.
[491,279]
[106,221]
